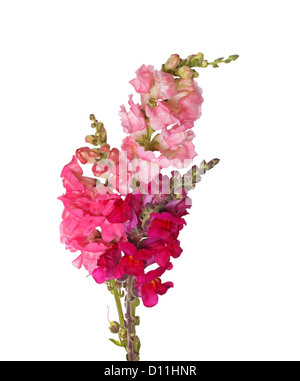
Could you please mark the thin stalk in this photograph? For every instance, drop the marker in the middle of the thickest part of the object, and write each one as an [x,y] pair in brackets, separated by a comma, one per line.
[118,303]
[130,324]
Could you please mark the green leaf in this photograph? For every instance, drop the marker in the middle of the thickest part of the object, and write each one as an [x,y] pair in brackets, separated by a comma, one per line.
[218,60]
[116,342]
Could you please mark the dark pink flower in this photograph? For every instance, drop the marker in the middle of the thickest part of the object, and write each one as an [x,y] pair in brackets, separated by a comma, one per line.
[150,291]
[73,178]
[163,250]
[164,226]
[133,207]
[130,266]
[178,207]
[107,265]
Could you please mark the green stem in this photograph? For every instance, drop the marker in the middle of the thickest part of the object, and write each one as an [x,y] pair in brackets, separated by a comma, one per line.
[130,323]
[118,303]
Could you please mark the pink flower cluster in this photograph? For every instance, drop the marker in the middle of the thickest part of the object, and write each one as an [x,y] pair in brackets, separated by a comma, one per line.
[113,239]
[121,227]
[169,106]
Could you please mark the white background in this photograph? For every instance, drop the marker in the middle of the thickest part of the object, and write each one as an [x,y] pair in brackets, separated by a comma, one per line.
[237,284]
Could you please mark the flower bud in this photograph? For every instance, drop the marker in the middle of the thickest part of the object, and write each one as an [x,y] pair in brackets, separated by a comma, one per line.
[123,333]
[102,135]
[114,327]
[195,60]
[87,155]
[137,320]
[132,335]
[204,63]
[233,57]
[172,62]
[101,169]
[99,126]
[92,139]
[185,72]
[105,148]
[114,155]
[92,117]
[200,56]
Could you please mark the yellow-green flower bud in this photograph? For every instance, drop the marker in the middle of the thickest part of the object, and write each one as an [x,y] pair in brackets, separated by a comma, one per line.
[185,72]
[204,63]
[99,126]
[172,62]
[114,327]
[123,333]
[92,139]
[137,320]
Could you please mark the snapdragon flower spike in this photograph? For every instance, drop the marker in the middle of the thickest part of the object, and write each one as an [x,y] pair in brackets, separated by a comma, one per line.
[128,216]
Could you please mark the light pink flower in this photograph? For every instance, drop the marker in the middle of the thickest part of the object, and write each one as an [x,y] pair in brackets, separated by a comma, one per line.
[186,105]
[173,138]
[143,82]
[160,117]
[164,87]
[134,119]
[181,156]
[153,84]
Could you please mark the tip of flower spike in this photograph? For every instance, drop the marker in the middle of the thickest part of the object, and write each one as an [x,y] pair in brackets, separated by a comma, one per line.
[221,60]
[182,67]
[207,166]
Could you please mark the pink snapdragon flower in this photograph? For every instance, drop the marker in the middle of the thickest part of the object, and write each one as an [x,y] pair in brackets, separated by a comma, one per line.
[86,226]
[134,119]
[153,84]
[144,80]
[152,286]
[186,104]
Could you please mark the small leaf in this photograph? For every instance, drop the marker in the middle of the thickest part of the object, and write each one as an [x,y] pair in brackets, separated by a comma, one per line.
[116,342]
[218,60]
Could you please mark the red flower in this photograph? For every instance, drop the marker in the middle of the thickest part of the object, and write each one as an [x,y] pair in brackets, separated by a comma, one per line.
[134,261]
[164,226]
[163,250]
[150,291]
[152,286]
[130,266]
